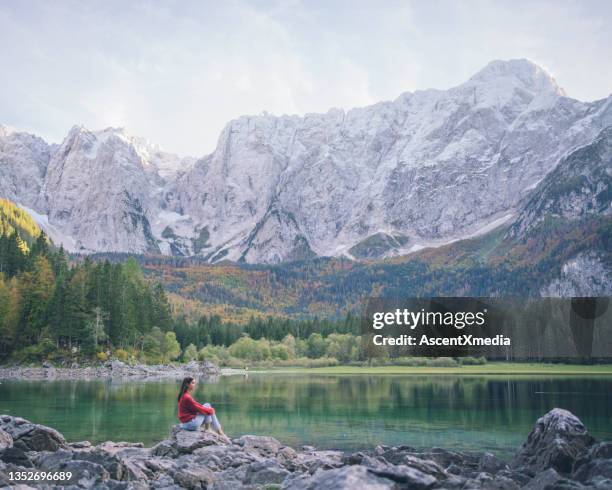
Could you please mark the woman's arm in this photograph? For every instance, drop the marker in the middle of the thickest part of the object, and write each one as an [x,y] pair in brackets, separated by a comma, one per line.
[201,408]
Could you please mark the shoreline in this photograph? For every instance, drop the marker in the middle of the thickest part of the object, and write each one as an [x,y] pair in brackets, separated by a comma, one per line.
[489,369]
[114,369]
[558,453]
[118,369]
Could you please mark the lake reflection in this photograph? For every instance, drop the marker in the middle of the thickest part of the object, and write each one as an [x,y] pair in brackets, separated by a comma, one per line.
[343,411]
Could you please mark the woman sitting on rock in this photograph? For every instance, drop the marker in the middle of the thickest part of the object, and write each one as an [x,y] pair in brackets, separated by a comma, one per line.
[192,415]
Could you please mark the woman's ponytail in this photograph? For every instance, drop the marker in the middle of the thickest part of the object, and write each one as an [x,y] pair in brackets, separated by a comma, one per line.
[184,385]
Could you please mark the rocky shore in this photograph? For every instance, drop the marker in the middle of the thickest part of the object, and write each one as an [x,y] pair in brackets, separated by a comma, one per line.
[559,454]
[112,369]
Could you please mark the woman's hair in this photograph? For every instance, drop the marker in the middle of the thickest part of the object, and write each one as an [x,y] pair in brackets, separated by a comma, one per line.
[184,385]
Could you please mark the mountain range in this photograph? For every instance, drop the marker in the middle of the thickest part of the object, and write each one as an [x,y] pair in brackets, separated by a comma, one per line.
[507,148]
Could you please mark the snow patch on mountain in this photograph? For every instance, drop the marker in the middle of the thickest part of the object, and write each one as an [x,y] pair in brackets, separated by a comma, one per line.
[56,236]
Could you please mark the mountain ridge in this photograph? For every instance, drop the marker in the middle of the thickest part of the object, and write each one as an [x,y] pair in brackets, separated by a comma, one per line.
[424,169]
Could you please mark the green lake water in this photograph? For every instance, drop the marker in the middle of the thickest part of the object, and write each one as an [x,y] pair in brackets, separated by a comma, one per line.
[335,411]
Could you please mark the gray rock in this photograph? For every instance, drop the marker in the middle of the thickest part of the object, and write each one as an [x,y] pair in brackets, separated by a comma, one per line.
[504,483]
[265,472]
[6,440]
[52,460]
[187,441]
[165,449]
[490,463]
[361,458]
[32,437]
[115,447]
[519,477]
[160,465]
[287,457]
[136,469]
[16,456]
[424,466]
[165,482]
[219,458]
[231,478]
[407,476]
[263,445]
[320,460]
[599,467]
[110,462]
[86,473]
[453,469]
[601,484]
[543,480]
[601,450]
[80,444]
[557,441]
[345,478]
[12,486]
[443,457]
[194,478]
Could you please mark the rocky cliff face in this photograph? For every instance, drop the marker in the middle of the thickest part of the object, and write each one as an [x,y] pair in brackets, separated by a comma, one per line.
[580,186]
[427,168]
[23,163]
[577,190]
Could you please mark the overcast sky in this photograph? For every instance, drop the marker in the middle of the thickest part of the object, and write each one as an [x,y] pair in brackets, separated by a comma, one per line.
[177,72]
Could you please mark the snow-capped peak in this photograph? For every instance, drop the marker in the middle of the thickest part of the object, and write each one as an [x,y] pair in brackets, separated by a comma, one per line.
[518,72]
[151,155]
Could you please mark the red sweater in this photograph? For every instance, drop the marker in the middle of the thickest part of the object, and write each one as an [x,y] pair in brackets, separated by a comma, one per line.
[188,408]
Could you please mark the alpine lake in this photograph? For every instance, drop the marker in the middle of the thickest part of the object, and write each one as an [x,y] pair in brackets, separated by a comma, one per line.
[348,412]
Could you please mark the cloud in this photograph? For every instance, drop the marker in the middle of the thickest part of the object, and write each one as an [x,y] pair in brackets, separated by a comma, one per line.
[177,72]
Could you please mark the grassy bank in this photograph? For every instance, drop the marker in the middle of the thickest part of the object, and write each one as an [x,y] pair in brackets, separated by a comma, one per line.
[493,368]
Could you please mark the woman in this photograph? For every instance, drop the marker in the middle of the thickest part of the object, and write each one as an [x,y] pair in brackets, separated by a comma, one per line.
[192,415]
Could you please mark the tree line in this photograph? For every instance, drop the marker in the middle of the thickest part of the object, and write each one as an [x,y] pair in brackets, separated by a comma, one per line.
[53,307]
[48,303]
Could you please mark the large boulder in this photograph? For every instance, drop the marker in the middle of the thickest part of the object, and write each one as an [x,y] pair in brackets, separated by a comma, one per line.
[557,441]
[32,437]
[187,441]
